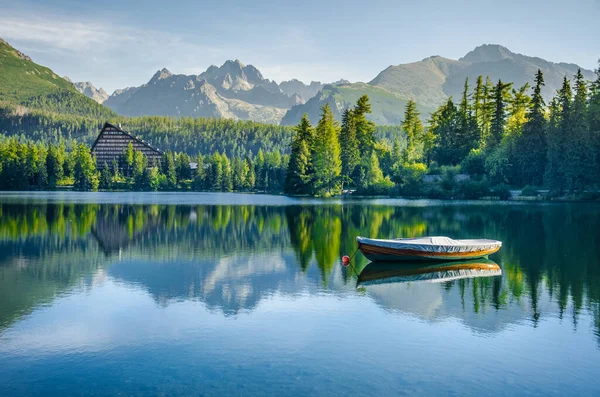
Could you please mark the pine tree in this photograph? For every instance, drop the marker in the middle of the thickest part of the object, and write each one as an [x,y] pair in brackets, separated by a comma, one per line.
[182,167]
[238,174]
[54,166]
[262,179]
[251,179]
[374,173]
[498,124]
[364,128]
[413,128]
[487,111]
[580,159]
[128,158]
[531,147]
[84,169]
[298,171]
[594,119]
[105,177]
[169,170]
[226,181]
[478,102]
[558,130]
[443,125]
[199,175]
[349,146]
[467,131]
[326,160]
[396,152]
[216,182]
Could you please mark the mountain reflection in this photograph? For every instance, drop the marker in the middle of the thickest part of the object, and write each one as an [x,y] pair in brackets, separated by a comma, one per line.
[231,257]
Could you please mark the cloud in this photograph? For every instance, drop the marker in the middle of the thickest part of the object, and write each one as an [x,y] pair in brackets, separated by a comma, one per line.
[102,50]
[114,54]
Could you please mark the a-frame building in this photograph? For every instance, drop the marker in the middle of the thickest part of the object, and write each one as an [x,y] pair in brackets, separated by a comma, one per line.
[113,141]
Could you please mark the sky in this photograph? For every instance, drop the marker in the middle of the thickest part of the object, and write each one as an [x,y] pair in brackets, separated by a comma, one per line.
[121,43]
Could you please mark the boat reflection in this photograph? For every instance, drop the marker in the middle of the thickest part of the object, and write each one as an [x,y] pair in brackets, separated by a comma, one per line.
[403,272]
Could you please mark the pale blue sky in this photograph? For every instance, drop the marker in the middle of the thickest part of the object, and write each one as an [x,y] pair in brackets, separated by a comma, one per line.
[119,43]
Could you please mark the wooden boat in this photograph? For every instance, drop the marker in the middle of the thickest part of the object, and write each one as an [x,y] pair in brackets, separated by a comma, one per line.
[390,272]
[426,248]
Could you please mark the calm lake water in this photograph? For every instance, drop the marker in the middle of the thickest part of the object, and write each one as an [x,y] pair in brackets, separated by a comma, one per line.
[224,294]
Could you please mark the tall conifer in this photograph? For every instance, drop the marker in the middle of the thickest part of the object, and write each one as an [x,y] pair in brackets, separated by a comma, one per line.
[326,158]
[350,154]
[298,171]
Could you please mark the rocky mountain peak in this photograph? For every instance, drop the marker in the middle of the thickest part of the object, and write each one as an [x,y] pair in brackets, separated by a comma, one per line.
[487,53]
[89,90]
[164,73]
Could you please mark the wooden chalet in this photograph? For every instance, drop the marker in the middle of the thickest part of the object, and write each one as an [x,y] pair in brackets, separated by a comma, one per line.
[113,141]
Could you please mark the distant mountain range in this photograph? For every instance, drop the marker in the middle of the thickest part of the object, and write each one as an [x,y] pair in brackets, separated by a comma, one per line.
[233,90]
[433,80]
[239,91]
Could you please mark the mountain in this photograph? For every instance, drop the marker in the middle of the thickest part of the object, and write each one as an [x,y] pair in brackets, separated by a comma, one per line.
[304,91]
[25,83]
[433,80]
[387,107]
[88,89]
[500,63]
[420,81]
[232,90]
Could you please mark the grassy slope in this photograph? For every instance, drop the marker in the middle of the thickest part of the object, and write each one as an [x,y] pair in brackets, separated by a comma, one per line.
[23,82]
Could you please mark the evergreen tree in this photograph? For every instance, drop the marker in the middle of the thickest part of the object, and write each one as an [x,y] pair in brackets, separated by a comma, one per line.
[364,128]
[105,178]
[498,123]
[350,153]
[216,182]
[54,166]
[479,102]
[169,170]
[84,170]
[128,158]
[374,173]
[262,180]
[199,175]
[251,179]
[239,174]
[443,125]
[467,131]
[486,111]
[413,128]
[140,174]
[326,161]
[580,159]
[518,108]
[226,181]
[396,152]
[115,170]
[182,166]
[531,148]
[594,119]
[558,130]
[298,172]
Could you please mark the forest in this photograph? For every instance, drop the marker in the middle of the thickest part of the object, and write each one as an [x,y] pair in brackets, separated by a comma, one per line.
[494,138]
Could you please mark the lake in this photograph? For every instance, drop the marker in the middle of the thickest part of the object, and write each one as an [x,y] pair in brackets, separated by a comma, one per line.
[231,294]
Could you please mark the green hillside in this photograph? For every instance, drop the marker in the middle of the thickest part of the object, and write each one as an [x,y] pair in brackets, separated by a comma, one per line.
[387,107]
[23,82]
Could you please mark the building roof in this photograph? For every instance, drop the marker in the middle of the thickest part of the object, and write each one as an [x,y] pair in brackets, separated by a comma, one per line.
[118,128]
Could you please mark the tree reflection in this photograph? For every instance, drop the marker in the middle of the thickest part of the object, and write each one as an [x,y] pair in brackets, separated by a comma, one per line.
[549,250]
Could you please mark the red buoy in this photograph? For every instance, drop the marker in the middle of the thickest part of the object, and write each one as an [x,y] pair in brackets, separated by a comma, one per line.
[345,260]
